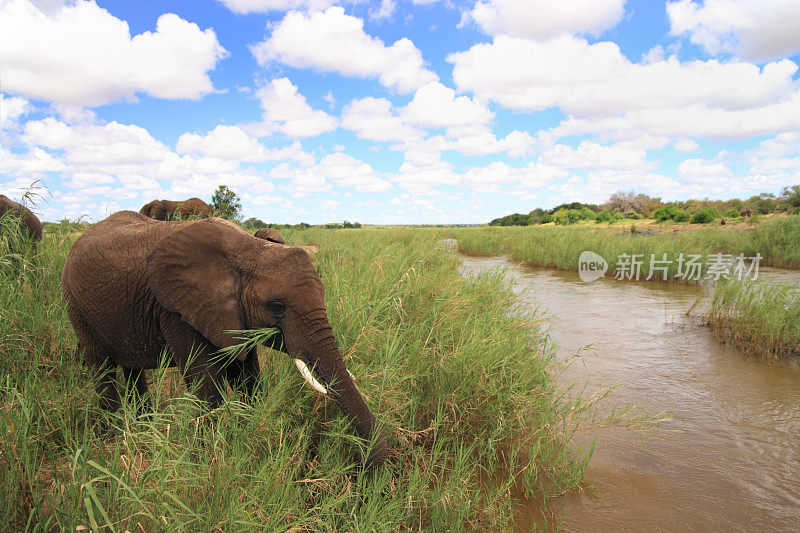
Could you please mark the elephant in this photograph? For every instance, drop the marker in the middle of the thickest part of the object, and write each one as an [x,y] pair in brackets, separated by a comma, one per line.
[135,286]
[746,213]
[172,209]
[28,220]
[270,234]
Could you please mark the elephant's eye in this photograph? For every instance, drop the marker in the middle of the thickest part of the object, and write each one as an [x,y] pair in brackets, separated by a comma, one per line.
[276,308]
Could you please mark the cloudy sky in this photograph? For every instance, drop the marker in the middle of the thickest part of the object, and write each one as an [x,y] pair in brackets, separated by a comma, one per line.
[396,111]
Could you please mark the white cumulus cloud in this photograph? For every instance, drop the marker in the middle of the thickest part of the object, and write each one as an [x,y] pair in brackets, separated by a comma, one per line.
[543,19]
[373,119]
[80,54]
[436,106]
[601,90]
[244,7]
[756,30]
[332,41]
[287,111]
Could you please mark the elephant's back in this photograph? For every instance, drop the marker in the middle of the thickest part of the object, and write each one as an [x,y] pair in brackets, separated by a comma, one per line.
[105,284]
[26,215]
[112,251]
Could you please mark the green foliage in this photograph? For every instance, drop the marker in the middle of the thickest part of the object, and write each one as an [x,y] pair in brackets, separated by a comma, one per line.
[671,212]
[682,216]
[704,216]
[545,218]
[653,207]
[575,205]
[791,196]
[586,214]
[254,223]
[226,203]
[732,213]
[516,219]
[603,217]
[796,211]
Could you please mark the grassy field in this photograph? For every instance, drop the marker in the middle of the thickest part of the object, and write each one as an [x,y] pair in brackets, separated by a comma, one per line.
[761,318]
[776,239]
[462,388]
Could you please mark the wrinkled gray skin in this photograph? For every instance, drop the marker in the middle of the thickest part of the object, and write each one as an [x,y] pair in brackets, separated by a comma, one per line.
[269,234]
[28,220]
[166,209]
[135,286]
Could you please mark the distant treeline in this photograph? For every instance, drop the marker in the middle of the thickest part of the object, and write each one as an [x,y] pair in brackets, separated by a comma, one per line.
[256,224]
[628,205]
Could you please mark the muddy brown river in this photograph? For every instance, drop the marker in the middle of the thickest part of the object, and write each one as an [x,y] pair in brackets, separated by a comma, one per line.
[728,459]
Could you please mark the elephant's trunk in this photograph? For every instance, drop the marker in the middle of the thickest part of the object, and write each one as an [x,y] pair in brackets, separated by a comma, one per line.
[329,366]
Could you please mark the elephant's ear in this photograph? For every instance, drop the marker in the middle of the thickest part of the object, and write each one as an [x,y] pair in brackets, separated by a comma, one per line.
[145,210]
[190,273]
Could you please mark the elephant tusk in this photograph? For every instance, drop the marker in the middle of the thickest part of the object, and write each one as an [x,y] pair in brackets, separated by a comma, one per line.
[351,375]
[306,373]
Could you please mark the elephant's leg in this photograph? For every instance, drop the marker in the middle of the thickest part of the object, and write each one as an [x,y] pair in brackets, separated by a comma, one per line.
[243,375]
[97,358]
[202,372]
[107,386]
[136,381]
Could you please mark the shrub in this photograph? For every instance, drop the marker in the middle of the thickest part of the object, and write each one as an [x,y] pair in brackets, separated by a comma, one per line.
[682,216]
[545,218]
[704,216]
[603,216]
[732,213]
[567,216]
[586,214]
[671,212]
[796,211]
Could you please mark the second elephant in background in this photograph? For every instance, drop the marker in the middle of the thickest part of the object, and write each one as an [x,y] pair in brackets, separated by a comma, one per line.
[269,234]
[176,209]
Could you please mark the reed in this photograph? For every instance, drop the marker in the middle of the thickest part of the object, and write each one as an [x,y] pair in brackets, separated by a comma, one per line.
[761,318]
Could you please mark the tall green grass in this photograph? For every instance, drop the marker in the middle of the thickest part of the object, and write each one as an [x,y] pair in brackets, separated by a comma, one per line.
[762,318]
[460,384]
[559,247]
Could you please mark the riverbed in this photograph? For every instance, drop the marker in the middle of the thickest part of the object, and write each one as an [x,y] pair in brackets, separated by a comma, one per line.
[728,456]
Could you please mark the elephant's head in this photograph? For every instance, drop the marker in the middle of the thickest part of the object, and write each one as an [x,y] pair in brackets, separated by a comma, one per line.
[148,208]
[220,278]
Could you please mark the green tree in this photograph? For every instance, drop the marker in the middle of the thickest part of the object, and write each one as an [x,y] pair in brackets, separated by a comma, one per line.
[791,195]
[226,203]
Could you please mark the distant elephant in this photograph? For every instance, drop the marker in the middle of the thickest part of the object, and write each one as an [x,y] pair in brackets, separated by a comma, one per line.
[747,213]
[174,210]
[269,234]
[28,220]
[135,286]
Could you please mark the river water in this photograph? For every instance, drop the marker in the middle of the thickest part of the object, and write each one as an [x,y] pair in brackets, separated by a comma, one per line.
[728,458]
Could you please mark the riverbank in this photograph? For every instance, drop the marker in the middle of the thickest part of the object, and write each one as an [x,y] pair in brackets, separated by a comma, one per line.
[462,388]
[559,247]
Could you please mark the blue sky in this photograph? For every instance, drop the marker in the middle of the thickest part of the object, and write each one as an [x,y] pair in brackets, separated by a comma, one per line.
[396,111]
